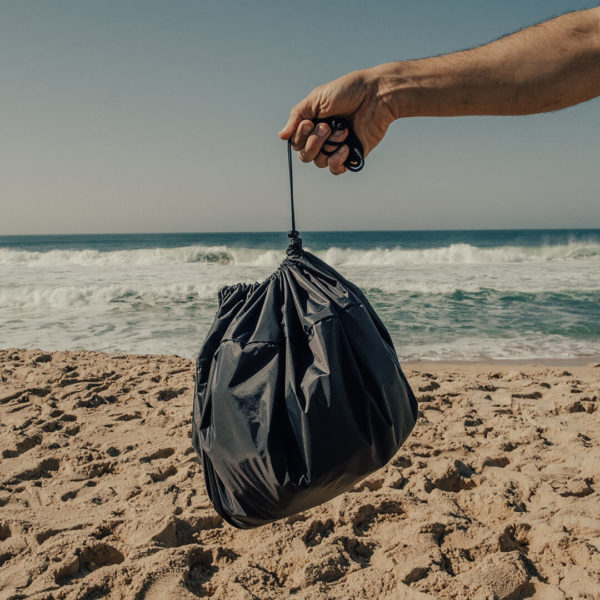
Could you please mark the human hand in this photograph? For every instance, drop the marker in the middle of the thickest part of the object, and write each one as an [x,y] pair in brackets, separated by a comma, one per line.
[357,97]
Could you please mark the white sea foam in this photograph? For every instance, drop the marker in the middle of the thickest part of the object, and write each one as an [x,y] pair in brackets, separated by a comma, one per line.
[452,254]
[146,256]
[162,300]
[492,348]
[76,286]
[61,297]
[462,254]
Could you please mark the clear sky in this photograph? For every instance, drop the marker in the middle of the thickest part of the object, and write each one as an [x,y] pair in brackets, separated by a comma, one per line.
[148,116]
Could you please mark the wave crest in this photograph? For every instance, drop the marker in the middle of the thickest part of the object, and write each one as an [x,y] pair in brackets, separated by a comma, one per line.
[461,254]
[386,257]
[63,297]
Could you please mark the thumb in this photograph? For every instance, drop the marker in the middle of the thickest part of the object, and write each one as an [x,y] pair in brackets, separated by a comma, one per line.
[302,110]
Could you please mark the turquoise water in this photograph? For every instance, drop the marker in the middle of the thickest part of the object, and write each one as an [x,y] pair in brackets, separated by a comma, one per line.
[455,295]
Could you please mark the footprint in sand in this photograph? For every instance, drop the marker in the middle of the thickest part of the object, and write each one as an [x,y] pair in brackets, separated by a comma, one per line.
[168,393]
[22,446]
[85,561]
[357,550]
[129,416]
[69,495]
[46,534]
[5,531]
[168,585]
[450,476]
[326,563]
[161,475]
[317,531]
[182,532]
[159,454]
[201,572]
[206,521]
[402,462]
[429,387]
[368,515]
[515,537]
[44,469]
[496,461]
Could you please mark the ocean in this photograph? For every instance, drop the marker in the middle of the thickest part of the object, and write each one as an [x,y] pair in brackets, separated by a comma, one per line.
[444,295]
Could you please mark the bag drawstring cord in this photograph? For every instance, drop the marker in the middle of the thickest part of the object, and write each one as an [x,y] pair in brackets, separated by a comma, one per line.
[293,233]
[295,240]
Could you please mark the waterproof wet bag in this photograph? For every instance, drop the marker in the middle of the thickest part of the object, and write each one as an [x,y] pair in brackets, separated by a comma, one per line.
[299,393]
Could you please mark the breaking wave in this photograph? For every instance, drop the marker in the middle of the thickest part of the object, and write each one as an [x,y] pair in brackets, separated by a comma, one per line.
[62,297]
[224,255]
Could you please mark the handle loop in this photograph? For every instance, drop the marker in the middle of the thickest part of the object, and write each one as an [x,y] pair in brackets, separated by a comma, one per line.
[356,160]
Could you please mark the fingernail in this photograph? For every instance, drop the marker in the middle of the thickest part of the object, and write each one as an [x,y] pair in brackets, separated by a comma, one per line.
[306,129]
[339,133]
[322,129]
[342,149]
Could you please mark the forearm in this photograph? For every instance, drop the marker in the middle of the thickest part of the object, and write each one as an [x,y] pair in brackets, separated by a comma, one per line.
[543,68]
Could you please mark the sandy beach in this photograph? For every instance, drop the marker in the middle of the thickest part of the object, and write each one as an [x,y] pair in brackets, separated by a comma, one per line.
[496,494]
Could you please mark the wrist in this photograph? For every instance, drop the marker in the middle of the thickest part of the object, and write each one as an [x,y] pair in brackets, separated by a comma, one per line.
[419,88]
[398,88]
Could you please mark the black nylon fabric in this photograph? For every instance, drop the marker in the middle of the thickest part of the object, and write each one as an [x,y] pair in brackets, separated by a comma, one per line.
[299,393]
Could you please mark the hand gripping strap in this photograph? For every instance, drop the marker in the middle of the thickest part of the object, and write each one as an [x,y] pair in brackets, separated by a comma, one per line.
[355,161]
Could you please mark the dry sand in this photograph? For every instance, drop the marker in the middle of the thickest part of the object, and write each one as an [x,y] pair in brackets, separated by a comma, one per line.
[495,495]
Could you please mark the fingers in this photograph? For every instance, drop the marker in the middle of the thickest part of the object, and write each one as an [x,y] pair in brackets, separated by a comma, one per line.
[291,125]
[309,140]
[300,137]
[321,160]
[314,142]
[336,161]
[339,135]
[303,110]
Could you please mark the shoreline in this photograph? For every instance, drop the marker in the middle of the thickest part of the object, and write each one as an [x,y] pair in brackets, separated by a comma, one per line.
[587,361]
[583,361]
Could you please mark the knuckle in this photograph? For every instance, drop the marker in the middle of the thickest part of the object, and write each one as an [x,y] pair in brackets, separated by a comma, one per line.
[315,93]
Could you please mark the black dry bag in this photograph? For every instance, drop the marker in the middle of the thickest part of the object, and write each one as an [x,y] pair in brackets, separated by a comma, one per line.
[299,393]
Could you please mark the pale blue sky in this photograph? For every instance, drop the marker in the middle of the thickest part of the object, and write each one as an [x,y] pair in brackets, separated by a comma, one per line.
[147,116]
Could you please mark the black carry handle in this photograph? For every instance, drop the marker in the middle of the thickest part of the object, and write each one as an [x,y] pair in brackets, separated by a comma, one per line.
[356,158]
